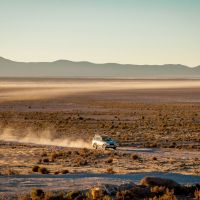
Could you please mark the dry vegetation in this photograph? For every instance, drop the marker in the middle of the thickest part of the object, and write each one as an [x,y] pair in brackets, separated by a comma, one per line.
[147,125]
[167,120]
[123,192]
[19,158]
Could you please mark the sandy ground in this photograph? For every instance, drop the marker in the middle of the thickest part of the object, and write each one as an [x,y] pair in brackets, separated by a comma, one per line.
[19,158]
[156,123]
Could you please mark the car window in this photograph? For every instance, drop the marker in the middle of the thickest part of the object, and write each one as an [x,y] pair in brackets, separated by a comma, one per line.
[106,138]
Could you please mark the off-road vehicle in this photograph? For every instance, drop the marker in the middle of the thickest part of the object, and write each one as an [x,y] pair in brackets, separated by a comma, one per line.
[103,141]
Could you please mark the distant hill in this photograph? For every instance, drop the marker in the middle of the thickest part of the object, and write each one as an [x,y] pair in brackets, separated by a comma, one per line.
[66,68]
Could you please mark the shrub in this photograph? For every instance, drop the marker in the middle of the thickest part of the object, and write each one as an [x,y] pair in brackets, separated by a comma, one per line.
[49,196]
[45,160]
[197,194]
[44,154]
[53,157]
[37,194]
[127,194]
[109,160]
[169,195]
[35,168]
[106,197]
[43,170]
[154,158]
[110,171]
[24,197]
[68,152]
[95,193]
[11,172]
[157,189]
[72,195]
[81,162]
[80,118]
[65,171]
[134,156]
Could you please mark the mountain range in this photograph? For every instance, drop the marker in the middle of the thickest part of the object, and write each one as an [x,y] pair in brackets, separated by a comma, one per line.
[66,68]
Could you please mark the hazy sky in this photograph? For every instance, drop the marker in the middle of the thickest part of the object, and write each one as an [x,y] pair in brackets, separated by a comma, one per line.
[124,31]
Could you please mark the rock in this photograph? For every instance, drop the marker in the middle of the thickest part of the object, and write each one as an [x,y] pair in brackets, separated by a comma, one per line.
[156,181]
[113,189]
[127,186]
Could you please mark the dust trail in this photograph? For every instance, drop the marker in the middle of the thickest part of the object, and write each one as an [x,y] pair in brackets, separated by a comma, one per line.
[43,138]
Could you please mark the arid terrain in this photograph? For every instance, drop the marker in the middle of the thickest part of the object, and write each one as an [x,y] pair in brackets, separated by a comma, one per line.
[46,126]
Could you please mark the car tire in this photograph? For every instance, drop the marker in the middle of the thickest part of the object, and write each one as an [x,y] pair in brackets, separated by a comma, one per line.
[104,147]
[95,146]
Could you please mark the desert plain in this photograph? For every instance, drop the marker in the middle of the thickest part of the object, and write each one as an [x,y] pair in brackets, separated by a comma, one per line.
[47,124]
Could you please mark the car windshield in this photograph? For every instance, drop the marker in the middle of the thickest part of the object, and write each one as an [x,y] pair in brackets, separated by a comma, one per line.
[106,138]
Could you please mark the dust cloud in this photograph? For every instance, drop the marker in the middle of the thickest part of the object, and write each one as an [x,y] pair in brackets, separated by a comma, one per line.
[43,138]
[17,91]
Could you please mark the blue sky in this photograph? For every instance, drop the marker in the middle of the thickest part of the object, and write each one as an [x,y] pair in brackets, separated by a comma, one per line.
[123,31]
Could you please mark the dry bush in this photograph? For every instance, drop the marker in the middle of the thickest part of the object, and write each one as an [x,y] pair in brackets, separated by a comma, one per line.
[169,195]
[80,161]
[109,160]
[110,170]
[83,162]
[53,156]
[44,154]
[43,170]
[197,194]
[134,156]
[125,195]
[11,172]
[76,153]
[197,171]
[24,197]
[65,171]
[35,168]
[54,196]
[37,194]
[154,158]
[68,153]
[158,189]
[95,193]
[106,197]
[50,196]
[61,154]
[72,195]
[45,160]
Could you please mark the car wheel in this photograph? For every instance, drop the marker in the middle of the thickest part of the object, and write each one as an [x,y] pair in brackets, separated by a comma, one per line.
[95,146]
[104,147]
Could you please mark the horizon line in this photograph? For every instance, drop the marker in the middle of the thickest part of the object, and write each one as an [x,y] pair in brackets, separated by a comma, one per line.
[97,63]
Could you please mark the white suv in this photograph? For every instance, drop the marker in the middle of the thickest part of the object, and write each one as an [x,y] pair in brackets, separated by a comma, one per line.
[104,142]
